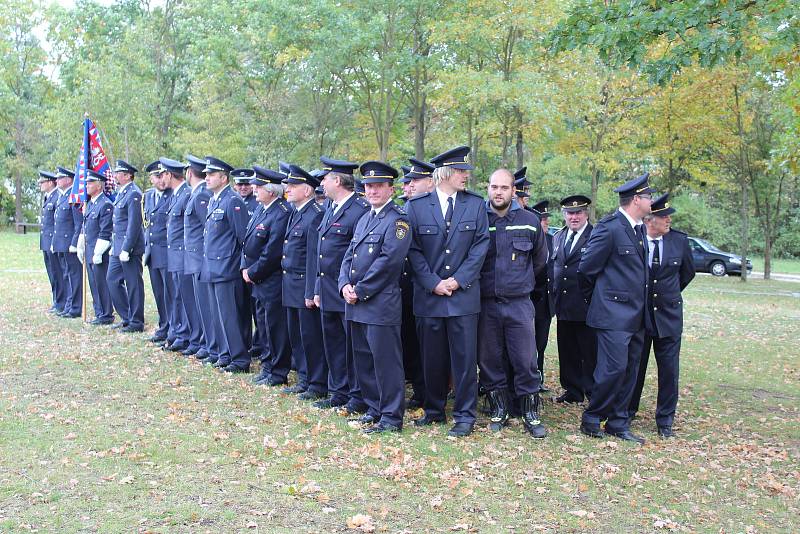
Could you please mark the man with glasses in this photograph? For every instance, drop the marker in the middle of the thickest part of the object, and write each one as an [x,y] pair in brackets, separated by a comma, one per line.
[613,278]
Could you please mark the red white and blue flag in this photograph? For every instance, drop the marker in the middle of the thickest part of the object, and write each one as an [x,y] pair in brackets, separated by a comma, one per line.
[92,156]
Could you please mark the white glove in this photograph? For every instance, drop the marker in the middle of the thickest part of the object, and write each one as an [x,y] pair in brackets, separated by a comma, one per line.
[124,256]
[99,249]
[73,250]
[81,249]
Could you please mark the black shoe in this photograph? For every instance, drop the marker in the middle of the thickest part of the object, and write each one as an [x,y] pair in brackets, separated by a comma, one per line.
[295,389]
[381,428]
[665,432]
[273,382]
[354,409]
[157,339]
[427,421]
[592,431]
[209,361]
[130,329]
[324,404]
[544,389]
[189,352]
[177,347]
[567,398]
[311,395]
[201,354]
[530,416]
[71,315]
[236,369]
[262,376]
[220,365]
[413,404]
[119,326]
[366,419]
[461,430]
[627,435]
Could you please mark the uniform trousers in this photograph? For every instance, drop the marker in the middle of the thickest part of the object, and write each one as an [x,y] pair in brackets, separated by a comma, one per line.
[161,285]
[56,278]
[230,323]
[577,358]
[73,280]
[177,311]
[379,364]
[203,298]
[450,348]
[127,289]
[334,336]
[101,296]
[667,351]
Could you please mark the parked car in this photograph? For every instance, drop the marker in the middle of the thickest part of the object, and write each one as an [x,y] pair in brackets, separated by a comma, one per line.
[709,259]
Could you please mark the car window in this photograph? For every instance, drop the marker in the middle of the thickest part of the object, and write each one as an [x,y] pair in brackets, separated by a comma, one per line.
[708,246]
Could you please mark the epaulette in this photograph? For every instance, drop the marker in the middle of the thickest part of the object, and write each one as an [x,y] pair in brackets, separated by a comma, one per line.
[678,232]
[283,206]
[558,232]
[419,197]
[473,193]
[398,209]
[608,218]
[317,207]
[362,201]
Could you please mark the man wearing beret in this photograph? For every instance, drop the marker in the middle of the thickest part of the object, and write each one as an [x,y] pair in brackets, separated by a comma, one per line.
[369,281]
[68,220]
[577,345]
[671,270]
[226,226]
[47,185]
[614,278]
[450,237]
[344,210]
[97,227]
[299,266]
[125,264]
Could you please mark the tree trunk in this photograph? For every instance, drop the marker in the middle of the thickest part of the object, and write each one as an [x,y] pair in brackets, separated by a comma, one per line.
[743,186]
[419,131]
[767,256]
[595,180]
[520,149]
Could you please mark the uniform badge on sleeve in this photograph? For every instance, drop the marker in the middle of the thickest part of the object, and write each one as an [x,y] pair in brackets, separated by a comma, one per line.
[401,229]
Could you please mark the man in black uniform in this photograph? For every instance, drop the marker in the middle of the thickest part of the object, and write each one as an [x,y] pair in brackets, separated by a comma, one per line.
[517,256]
[543,295]
[369,281]
[671,270]
[614,278]
[335,232]
[577,345]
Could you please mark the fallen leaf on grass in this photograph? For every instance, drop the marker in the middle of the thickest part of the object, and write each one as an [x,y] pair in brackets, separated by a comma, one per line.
[360,522]
[582,513]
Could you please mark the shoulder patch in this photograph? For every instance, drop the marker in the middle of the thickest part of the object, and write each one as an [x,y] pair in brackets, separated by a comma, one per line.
[284,207]
[399,209]
[400,229]
[316,207]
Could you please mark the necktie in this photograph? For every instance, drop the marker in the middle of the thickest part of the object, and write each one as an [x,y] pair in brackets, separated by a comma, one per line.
[448,216]
[655,257]
[372,215]
[334,206]
[568,244]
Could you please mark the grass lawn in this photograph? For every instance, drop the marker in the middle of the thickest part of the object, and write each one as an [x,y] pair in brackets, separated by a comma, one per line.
[100,431]
[785,266]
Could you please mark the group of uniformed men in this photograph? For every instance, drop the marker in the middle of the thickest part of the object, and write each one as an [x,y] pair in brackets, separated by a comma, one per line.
[325,274]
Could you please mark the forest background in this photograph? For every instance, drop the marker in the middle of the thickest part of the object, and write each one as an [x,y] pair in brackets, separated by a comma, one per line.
[703,94]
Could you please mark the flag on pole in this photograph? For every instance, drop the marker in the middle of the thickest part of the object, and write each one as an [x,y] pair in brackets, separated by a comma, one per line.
[91,157]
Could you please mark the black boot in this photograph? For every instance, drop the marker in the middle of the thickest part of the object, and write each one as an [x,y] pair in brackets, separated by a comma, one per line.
[498,409]
[530,416]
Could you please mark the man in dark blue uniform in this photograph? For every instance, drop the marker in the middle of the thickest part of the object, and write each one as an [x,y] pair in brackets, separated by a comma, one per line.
[613,278]
[182,308]
[543,295]
[156,208]
[450,233]
[671,270]
[517,256]
[261,269]
[577,345]
[253,337]
[67,222]
[299,276]
[226,225]
[194,223]
[369,281]
[98,223]
[125,264]
[522,185]
[47,185]
[420,181]
[335,232]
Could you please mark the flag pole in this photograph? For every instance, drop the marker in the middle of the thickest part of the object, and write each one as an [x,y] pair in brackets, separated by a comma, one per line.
[85,276]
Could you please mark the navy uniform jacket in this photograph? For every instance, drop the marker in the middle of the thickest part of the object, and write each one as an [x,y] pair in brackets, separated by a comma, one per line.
[155,239]
[613,275]
[175,231]
[373,263]
[299,255]
[263,243]
[68,220]
[252,204]
[435,255]
[48,220]
[128,233]
[517,254]
[335,234]
[569,301]
[226,225]
[98,221]
[194,225]
[672,277]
